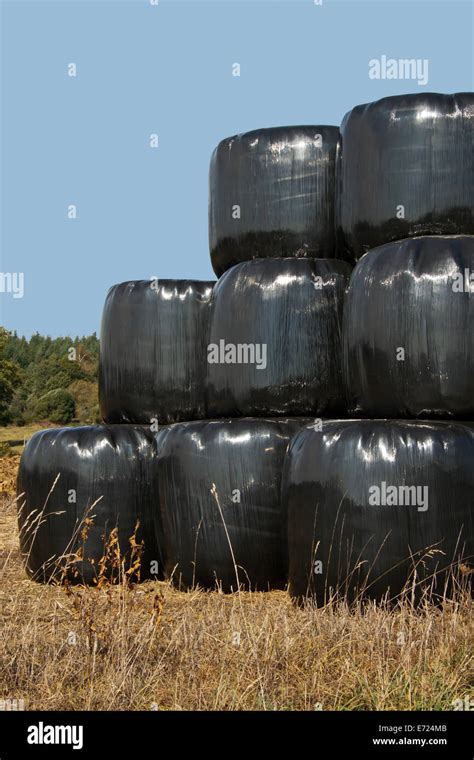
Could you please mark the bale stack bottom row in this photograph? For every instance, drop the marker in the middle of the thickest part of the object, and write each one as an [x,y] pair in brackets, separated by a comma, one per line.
[213,509]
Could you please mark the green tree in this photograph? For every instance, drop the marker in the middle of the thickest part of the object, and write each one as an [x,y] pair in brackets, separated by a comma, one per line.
[57,406]
[48,364]
[9,379]
[86,398]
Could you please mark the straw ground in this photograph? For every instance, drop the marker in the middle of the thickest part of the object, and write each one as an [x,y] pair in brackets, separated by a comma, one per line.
[148,647]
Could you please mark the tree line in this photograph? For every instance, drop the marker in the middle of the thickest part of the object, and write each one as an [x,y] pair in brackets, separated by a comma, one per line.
[48,379]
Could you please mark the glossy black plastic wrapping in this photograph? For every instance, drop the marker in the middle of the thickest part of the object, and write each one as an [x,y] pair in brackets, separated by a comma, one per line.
[368,550]
[294,308]
[416,295]
[282,179]
[153,351]
[414,151]
[105,475]
[241,524]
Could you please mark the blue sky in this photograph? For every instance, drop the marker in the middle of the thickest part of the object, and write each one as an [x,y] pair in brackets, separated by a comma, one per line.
[167,69]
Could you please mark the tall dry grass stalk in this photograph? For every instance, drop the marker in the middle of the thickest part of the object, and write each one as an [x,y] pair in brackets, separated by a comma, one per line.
[147,646]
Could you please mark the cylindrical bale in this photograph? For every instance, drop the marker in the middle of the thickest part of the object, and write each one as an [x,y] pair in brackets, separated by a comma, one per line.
[408,330]
[376,507]
[219,485]
[153,351]
[404,168]
[271,194]
[275,339]
[81,494]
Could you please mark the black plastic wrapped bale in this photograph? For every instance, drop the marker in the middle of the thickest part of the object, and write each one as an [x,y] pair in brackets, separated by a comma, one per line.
[81,493]
[404,167]
[275,339]
[219,490]
[271,194]
[408,330]
[377,506]
[153,351]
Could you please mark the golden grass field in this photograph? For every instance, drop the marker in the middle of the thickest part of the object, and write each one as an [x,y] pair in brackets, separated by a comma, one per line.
[19,434]
[151,647]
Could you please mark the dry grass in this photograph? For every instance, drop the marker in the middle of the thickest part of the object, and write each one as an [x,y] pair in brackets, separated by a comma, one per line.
[9,432]
[20,434]
[8,471]
[151,647]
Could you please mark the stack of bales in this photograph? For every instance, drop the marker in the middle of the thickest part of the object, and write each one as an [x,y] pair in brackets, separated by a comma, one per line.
[274,358]
[90,493]
[226,405]
[386,501]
